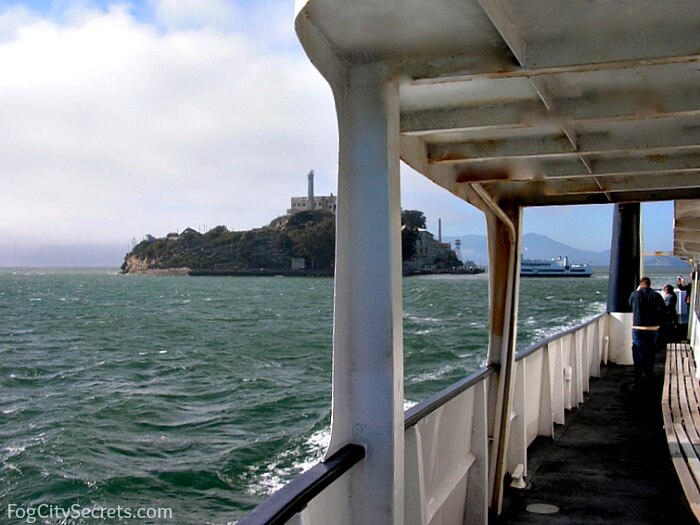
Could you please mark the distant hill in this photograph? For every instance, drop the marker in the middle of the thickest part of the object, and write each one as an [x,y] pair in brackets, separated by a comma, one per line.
[537,246]
[473,248]
[664,261]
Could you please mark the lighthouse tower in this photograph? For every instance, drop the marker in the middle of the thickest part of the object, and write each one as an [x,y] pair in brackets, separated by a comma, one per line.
[312,203]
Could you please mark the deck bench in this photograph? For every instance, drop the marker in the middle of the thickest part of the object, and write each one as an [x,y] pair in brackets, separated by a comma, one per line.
[680,402]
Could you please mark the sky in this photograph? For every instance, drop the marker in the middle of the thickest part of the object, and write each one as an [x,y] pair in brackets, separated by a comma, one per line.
[120,119]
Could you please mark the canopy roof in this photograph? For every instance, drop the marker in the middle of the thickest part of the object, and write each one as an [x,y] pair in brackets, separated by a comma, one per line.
[538,102]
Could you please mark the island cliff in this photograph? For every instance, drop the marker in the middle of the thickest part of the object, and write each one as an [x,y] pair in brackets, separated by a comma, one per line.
[301,243]
[307,235]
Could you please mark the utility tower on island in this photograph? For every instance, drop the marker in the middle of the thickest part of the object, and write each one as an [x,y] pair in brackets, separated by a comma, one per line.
[458,249]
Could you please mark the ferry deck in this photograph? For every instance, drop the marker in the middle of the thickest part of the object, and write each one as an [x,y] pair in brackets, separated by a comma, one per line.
[506,104]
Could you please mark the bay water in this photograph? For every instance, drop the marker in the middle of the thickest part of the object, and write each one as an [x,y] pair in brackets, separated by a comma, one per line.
[205,394]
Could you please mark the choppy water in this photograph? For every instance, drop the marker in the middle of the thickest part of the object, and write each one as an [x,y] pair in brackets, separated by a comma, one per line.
[205,394]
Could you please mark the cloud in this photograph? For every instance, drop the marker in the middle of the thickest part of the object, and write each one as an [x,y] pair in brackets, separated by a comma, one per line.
[11,18]
[114,127]
[150,117]
[188,14]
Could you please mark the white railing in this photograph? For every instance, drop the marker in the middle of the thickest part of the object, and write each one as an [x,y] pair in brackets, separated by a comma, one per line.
[550,378]
[446,455]
[446,449]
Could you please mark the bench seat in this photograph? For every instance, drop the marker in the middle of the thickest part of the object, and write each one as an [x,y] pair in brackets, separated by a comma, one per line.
[681,412]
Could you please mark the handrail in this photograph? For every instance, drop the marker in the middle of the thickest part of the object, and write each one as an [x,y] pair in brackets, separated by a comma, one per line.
[282,505]
[539,344]
[427,406]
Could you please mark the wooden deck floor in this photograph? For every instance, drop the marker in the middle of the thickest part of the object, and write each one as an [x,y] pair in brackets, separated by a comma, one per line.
[609,464]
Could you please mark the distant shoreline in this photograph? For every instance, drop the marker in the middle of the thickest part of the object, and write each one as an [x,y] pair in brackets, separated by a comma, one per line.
[260,273]
[179,271]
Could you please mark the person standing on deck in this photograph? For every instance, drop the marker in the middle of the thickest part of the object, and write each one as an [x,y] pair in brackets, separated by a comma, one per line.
[647,311]
[687,288]
[669,326]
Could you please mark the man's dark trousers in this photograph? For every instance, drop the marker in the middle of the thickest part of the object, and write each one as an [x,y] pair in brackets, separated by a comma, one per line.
[643,353]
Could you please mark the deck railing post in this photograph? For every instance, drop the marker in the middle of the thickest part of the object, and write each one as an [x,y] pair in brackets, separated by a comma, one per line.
[596,348]
[545,425]
[517,443]
[476,508]
[367,327]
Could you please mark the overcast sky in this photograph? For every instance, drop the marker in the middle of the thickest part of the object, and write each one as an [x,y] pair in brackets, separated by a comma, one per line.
[119,119]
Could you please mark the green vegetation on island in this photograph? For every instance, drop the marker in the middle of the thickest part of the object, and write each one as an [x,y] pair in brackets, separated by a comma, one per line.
[299,243]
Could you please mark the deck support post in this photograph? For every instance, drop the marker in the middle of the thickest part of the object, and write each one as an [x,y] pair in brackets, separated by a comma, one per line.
[367,325]
[504,236]
[625,272]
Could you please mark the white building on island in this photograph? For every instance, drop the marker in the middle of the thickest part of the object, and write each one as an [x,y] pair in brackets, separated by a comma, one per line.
[312,202]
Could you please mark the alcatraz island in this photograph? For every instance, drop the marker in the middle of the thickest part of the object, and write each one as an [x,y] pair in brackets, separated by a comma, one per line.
[301,242]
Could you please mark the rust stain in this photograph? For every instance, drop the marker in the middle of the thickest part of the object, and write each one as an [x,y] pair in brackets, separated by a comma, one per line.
[488,145]
[563,141]
[471,174]
[658,159]
[447,157]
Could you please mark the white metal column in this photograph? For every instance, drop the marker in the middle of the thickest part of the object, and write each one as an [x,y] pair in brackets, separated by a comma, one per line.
[504,236]
[368,330]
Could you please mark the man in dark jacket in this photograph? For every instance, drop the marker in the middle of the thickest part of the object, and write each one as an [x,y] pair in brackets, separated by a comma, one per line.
[647,309]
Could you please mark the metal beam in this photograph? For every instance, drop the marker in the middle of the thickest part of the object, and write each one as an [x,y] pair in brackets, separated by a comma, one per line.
[667,41]
[686,247]
[549,101]
[538,199]
[453,72]
[644,104]
[498,170]
[488,173]
[607,184]
[559,146]
[659,163]
[484,116]
[566,126]
[501,16]
[508,115]
[687,224]
[687,236]
[685,209]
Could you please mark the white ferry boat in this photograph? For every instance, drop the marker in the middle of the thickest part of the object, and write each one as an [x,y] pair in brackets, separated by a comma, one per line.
[559,267]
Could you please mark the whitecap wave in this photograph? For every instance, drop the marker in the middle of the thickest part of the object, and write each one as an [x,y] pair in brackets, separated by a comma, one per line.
[278,473]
